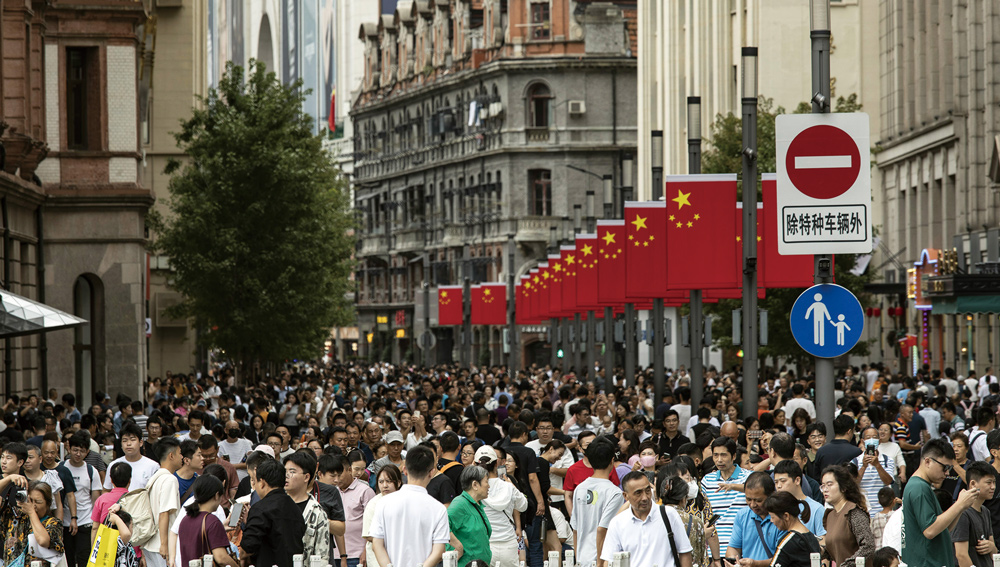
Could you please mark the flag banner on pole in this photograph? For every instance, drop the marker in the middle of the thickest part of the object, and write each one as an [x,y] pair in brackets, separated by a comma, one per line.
[568,280]
[700,232]
[778,270]
[542,281]
[555,285]
[611,263]
[521,291]
[489,304]
[450,305]
[586,278]
[645,248]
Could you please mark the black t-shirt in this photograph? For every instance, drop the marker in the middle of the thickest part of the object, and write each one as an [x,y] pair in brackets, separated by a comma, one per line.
[489,434]
[993,506]
[794,550]
[454,472]
[528,463]
[441,489]
[544,482]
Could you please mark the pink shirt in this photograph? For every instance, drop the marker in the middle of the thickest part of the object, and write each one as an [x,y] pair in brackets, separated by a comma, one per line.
[104,502]
[355,498]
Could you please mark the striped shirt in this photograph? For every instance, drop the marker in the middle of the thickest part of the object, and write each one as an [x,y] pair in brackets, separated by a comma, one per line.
[726,504]
[871,483]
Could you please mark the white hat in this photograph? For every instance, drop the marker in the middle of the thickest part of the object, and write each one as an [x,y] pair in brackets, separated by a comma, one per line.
[485,455]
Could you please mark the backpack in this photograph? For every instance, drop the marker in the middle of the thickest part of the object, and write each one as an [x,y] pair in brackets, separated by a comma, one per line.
[136,503]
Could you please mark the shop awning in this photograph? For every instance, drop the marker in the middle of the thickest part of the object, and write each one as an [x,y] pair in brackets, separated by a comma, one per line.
[966,304]
[22,316]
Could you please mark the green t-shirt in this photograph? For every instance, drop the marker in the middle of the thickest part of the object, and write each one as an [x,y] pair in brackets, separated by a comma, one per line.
[467,520]
[920,510]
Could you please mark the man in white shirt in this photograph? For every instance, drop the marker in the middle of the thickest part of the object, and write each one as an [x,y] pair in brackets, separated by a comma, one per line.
[164,502]
[870,377]
[799,400]
[235,448]
[410,527]
[641,530]
[76,536]
[557,472]
[212,393]
[143,468]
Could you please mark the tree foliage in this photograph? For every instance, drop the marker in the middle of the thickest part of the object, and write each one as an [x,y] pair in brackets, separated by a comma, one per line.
[724,155]
[258,230]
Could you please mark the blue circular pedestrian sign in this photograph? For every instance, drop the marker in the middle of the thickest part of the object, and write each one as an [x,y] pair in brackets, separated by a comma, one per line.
[827,320]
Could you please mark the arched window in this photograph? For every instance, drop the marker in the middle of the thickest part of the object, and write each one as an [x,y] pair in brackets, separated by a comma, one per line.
[539,99]
[88,303]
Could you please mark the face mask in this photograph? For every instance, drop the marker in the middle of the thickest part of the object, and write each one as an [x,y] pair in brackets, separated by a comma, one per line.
[871,442]
[234,432]
[692,489]
[647,461]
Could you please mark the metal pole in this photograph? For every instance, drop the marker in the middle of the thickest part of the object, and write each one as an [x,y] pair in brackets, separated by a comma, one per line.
[630,344]
[427,315]
[696,313]
[656,316]
[590,357]
[819,16]
[467,321]
[749,100]
[575,344]
[513,360]
[609,350]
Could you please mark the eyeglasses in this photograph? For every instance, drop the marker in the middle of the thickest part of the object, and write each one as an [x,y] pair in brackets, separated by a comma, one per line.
[947,468]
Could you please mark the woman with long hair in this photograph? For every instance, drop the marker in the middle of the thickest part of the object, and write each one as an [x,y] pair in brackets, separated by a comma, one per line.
[800,421]
[628,447]
[798,544]
[674,492]
[388,480]
[201,533]
[848,526]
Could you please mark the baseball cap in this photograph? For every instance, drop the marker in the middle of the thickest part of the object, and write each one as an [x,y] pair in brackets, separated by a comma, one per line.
[485,455]
[393,437]
[266,449]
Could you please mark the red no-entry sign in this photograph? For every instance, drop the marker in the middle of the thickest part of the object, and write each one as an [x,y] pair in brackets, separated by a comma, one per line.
[823,161]
[824,190]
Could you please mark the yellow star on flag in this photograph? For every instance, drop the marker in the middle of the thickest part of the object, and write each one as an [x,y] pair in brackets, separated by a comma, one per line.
[570,259]
[546,275]
[639,222]
[681,199]
[609,238]
[536,279]
[690,224]
[671,217]
[697,216]
[557,267]
[486,291]
[680,224]
[587,250]
[444,294]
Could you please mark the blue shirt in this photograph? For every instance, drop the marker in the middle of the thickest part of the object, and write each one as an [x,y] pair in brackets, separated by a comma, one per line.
[727,503]
[746,539]
[815,523]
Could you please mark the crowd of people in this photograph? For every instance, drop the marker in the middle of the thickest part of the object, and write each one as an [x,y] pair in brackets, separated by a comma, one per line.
[378,465]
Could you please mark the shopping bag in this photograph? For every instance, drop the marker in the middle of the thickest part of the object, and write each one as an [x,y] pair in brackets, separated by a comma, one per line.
[105,548]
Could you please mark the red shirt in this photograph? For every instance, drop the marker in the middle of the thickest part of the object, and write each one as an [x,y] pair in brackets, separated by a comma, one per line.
[579,472]
[105,501]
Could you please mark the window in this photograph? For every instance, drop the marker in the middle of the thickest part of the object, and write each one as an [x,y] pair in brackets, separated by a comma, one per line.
[82,99]
[540,22]
[540,192]
[539,98]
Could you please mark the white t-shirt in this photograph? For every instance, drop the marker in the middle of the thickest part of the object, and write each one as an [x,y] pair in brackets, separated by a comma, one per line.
[411,522]
[796,403]
[595,503]
[84,503]
[236,452]
[164,496]
[212,397]
[142,471]
[892,535]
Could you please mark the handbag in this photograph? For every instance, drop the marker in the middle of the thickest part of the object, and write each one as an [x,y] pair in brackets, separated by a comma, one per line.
[208,546]
[105,549]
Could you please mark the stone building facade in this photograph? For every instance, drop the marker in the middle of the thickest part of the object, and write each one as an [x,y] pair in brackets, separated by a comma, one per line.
[939,163]
[471,118]
[72,207]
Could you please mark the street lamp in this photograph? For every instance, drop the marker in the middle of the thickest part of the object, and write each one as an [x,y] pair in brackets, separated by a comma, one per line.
[627,186]
[609,196]
[591,224]
[656,159]
[749,123]
[577,219]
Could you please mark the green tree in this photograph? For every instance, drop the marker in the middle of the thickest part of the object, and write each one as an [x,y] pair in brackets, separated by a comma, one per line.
[724,155]
[259,224]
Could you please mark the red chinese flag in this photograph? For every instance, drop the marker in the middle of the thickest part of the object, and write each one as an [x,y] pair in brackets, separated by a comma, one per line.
[778,270]
[586,272]
[521,301]
[568,285]
[611,262]
[533,296]
[645,248]
[543,306]
[700,233]
[489,304]
[554,285]
[450,305]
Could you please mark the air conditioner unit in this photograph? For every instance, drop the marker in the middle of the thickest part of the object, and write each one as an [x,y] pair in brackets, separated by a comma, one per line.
[577,107]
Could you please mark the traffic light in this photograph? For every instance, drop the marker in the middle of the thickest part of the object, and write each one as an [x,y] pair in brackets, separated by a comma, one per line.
[559,353]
